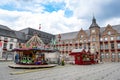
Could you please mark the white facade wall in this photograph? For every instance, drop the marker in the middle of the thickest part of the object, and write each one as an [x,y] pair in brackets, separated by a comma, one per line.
[8,41]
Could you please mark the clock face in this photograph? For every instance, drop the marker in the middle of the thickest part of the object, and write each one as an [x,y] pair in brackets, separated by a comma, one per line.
[93,30]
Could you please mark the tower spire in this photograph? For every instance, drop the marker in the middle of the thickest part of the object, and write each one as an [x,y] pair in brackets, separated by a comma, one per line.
[93,20]
[94,24]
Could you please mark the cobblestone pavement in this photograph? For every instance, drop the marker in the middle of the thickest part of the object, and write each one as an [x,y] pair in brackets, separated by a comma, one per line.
[104,71]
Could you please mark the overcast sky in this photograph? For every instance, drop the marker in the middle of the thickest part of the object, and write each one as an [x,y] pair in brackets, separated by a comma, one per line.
[58,16]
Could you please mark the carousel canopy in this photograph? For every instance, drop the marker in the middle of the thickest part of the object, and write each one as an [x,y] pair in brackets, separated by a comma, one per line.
[35,41]
[33,49]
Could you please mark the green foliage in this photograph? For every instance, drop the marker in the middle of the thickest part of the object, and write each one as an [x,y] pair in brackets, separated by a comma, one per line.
[63,63]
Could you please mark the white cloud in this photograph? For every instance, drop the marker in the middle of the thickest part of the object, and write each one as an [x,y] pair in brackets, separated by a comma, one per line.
[33,14]
[51,22]
[86,8]
[112,21]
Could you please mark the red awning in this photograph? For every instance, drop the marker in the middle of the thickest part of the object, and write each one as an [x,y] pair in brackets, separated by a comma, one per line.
[76,53]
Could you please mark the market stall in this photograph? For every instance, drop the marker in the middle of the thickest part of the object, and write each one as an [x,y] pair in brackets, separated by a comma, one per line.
[83,57]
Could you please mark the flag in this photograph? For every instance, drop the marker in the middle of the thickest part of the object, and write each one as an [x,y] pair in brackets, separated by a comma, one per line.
[0,47]
[39,26]
[0,44]
[59,37]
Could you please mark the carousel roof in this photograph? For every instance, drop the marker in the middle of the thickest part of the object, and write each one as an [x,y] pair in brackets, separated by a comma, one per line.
[35,40]
[33,49]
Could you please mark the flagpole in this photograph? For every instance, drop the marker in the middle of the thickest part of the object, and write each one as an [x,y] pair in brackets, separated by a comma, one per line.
[39,30]
[39,26]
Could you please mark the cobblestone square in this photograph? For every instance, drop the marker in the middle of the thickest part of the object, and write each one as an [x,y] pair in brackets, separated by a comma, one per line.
[103,71]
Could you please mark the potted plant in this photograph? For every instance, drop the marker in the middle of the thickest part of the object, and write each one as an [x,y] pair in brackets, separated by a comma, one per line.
[63,63]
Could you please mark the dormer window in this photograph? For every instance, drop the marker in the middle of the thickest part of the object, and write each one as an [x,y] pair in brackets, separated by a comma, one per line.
[109,33]
[81,36]
[106,38]
[93,39]
[101,39]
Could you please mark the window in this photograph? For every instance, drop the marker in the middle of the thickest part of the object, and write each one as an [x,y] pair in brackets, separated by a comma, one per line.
[113,55]
[118,55]
[101,39]
[101,46]
[109,33]
[77,41]
[106,46]
[71,42]
[118,45]
[93,39]
[106,39]
[88,40]
[111,38]
[81,41]
[11,40]
[107,55]
[84,40]
[5,45]
[118,37]
[81,36]
[67,42]
[76,47]
[11,46]
[66,48]
[112,45]
[84,46]
[102,55]
[6,38]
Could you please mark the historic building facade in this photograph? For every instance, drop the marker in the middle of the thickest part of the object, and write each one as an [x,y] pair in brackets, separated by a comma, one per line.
[8,41]
[104,40]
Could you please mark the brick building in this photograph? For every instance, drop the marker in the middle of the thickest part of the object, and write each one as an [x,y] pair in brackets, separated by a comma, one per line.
[104,40]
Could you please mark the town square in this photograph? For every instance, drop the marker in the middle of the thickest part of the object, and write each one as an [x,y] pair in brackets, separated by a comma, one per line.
[59,40]
[103,71]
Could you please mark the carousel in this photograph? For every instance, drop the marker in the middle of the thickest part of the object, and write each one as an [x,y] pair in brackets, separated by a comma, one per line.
[32,55]
[84,57]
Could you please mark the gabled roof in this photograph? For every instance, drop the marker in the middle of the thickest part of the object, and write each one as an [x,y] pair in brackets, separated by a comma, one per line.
[45,37]
[20,36]
[117,28]
[4,27]
[7,32]
[73,35]
[36,40]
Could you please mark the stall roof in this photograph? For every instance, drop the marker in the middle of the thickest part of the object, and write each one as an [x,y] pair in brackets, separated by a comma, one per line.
[79,51]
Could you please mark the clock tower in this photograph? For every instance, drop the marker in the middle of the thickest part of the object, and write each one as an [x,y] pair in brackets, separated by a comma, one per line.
[94,36]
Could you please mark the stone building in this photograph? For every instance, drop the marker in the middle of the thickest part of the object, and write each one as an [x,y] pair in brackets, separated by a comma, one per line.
[8,41]
[103,40]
